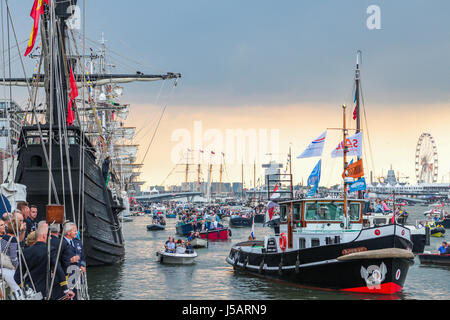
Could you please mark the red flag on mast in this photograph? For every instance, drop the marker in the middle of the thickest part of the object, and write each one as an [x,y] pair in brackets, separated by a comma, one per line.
[36,11]
[72,96]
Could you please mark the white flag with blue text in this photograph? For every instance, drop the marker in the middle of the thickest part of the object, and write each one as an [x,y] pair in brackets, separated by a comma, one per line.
[315,149]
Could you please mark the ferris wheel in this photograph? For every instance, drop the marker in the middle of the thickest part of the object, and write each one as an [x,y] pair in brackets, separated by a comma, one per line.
[426,159]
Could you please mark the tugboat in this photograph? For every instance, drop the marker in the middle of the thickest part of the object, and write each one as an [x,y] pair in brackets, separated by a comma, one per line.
[323,243]
[325,248]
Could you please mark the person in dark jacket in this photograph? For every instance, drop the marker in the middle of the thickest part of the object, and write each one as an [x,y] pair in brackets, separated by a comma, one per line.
[73,252]
[36,258]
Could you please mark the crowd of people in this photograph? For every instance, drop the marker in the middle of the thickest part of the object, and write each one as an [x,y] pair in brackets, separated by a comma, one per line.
[179,246]
[25,260]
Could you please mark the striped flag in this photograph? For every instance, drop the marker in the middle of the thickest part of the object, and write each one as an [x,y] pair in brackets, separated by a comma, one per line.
[36,11]
[270,209]
[275,194]
[315,149]
[253,228]
[355,113]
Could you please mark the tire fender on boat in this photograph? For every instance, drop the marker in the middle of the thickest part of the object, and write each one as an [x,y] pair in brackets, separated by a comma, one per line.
[280,266]
[229,232]
[297,265]
[236,258]
[245,263]
[283,241]
[261,266]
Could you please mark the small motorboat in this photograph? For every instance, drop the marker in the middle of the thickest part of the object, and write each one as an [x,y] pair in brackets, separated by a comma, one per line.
[199,243]
[184,229]
[171,215]
[155,227]
[434,258]
[176,258]
[221,233]
[437,231]
[241,221]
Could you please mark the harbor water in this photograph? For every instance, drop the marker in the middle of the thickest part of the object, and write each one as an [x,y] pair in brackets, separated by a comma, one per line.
[142,277]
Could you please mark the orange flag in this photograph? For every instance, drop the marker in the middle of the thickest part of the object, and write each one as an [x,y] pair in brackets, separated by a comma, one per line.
[355,170]
[35,14]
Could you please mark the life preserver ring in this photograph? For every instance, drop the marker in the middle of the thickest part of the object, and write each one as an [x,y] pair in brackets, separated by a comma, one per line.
[283,241]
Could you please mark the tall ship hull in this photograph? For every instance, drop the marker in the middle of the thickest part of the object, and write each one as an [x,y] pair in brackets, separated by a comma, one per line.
[96,213]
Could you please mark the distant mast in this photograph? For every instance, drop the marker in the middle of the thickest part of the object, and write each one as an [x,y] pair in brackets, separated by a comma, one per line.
[345,134]
[357,98]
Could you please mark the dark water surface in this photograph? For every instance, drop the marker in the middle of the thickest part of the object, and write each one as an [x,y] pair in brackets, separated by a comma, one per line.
[141,277]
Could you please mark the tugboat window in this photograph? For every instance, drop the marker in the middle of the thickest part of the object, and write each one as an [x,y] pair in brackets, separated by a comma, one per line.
[331,211]
[315,242]
[297,212]
[301,243]
[283,213]
[354,211]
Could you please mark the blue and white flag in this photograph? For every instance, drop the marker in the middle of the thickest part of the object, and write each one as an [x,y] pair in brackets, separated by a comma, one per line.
[314,179]
[253,228]
[315,149]
[358,185]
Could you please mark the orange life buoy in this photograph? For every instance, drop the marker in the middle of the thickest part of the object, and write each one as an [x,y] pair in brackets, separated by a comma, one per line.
[283,241]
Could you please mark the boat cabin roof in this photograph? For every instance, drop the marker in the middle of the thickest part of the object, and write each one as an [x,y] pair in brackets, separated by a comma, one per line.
[322,210]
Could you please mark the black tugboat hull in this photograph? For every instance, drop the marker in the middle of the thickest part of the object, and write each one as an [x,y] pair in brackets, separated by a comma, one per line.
[99,222]
[320,267]
[351,276]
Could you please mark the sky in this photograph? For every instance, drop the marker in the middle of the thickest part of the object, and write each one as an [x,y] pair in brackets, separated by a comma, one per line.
[281,67]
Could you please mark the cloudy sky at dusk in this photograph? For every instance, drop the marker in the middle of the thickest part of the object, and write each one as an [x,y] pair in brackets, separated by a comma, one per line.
[284,66]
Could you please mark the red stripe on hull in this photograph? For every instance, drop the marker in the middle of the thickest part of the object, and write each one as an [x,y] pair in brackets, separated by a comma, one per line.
[385,288]
[212,235]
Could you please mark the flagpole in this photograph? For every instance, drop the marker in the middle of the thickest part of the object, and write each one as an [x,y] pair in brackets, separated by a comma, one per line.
[242,189]
[358,114]
[290,172]
[345,148]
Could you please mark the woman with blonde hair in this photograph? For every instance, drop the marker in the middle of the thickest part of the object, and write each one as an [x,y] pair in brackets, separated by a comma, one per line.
[9,246]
